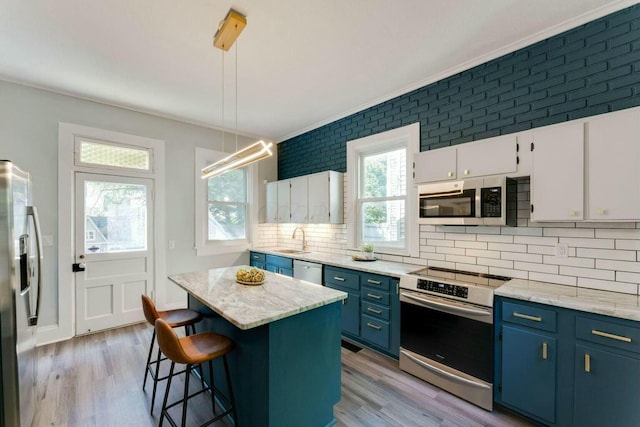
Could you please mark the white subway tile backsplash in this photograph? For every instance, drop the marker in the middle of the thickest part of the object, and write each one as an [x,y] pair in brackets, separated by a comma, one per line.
[623,276]
[532,240]
[492,262]
[484,229]
[483,253]
[441,264]
[473,268]
[450,251]
[569,232]
[433,235]
[515,256]
[451,228]
[454,236]
[632,267]
[429,257]
[571,261]
[507,247]
[627,244]
[515,274]
[543,250]
[522,231]
[625,233]
[531,266]
[627,288]
[494,238]
[553,278]
[471,245]
[460,259]
[588,243]
[590,273]
[605,225]
[606,254]
[436,242]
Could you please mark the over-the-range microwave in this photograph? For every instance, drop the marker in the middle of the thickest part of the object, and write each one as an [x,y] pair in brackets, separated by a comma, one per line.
[478,201]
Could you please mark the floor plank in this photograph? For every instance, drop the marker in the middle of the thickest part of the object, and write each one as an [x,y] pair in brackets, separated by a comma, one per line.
[96,380]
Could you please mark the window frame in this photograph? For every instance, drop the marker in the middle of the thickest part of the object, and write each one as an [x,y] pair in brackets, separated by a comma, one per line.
[204,246]
[407,137]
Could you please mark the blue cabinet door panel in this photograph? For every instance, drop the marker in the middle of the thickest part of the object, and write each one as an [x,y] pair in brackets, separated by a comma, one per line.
[351,315]
[528,379]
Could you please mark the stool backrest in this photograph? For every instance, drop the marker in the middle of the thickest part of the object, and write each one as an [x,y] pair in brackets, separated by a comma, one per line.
[149,308]
[169,342]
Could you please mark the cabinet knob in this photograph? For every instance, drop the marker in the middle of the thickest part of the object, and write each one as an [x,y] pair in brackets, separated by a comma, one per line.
[466,171]
[601,211]
[450,174]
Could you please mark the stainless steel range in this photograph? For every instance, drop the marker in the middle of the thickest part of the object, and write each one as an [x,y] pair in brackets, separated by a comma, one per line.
[446,330]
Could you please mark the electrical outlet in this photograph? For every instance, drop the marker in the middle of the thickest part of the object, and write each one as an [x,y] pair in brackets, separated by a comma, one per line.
[172,244]
[562,250]
[47,240]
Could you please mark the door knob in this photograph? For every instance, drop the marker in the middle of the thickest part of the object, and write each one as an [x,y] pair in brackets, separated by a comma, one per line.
[81,257]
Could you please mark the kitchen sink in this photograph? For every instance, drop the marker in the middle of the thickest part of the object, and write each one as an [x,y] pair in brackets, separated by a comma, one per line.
[290,251]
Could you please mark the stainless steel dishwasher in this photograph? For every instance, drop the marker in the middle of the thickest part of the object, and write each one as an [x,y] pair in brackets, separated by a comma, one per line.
[308,271]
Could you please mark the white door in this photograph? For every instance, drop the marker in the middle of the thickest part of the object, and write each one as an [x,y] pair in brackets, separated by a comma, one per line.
[114,245]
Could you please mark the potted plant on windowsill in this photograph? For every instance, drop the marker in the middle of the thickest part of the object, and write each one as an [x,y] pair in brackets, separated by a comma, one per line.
[367,251]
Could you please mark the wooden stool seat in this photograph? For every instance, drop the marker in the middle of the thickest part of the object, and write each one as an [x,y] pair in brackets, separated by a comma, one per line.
[174,318]
[195,350]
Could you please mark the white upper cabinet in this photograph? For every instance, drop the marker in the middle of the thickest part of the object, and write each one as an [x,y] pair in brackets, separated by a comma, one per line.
[434,165]
[493,156]
[272,202]
[299,197]
[326,203]
[613,166]
[316,198]
[557,173]
[284,201]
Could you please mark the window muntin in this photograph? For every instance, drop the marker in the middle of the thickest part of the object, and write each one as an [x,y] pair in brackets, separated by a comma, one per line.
[104,154]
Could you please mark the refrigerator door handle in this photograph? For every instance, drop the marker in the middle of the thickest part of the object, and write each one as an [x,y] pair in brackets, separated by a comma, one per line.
[33,212]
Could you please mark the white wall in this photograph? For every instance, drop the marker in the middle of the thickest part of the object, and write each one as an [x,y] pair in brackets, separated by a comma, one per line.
[601,255]
[29,137]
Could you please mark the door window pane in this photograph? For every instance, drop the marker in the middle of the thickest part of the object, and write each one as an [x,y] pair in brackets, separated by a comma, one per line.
[383,222]
[115,217]
[114,155]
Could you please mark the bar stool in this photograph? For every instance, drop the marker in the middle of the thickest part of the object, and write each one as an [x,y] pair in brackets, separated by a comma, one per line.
[175,318]
[195,350]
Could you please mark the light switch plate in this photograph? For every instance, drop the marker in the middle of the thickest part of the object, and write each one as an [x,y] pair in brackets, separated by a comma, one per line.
[562,250]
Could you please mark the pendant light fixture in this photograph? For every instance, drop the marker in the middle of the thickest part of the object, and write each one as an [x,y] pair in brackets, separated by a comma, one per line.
[228,31]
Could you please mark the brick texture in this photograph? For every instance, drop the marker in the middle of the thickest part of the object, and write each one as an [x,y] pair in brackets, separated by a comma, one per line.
[589,70]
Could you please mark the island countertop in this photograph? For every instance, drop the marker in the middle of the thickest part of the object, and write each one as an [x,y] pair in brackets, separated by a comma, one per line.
[250,306]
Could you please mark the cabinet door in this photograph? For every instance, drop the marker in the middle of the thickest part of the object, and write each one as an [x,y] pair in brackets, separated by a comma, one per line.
[272,202]
[351,315]
[284,206]
[529,372]
[299,200]
[607,388]
[286,271]
[319,198]
[557,190]
[434,165]
[613,166]
[488,157]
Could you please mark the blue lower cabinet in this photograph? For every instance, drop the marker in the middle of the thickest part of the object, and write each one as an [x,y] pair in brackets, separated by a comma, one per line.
[529,372]
[375,331]
[258,260]
[351,314]
[279,264]
[607,388]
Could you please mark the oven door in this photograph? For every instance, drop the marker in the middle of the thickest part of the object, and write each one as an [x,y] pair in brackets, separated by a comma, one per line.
[449,344]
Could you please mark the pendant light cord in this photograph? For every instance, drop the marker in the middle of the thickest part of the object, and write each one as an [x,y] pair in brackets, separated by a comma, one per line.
[236,124]
[222,127]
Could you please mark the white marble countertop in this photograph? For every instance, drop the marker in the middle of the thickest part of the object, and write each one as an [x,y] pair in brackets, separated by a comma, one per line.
[625,306]
[388,268]
[250,306]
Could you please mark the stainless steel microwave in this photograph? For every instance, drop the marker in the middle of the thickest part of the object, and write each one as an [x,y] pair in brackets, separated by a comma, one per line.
[478,201]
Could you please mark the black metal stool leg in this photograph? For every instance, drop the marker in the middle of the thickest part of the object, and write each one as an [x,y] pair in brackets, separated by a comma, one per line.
[186,395]
[155,382]
[166,395]
[212,387]
[146,368]
[231,399]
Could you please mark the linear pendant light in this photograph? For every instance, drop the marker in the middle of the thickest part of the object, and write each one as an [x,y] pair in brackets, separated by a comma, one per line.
[227,33]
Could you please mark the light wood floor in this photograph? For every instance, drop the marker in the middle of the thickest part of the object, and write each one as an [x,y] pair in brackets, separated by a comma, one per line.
[96,380]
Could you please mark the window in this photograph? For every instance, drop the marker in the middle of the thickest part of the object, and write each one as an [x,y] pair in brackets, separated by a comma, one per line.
[224,214]
[382,193]
[110,155]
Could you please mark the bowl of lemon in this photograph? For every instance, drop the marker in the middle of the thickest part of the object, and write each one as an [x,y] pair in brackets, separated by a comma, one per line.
[252,277]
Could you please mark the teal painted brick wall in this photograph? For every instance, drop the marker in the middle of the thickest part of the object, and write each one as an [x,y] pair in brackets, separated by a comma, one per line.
[589,70]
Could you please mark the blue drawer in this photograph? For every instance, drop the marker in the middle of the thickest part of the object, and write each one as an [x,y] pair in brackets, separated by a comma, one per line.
[279,261]
[377,311]
[526,315]
[257,257]
[375,281]
[375,331]
[624,337]
[342,277]
[375,296]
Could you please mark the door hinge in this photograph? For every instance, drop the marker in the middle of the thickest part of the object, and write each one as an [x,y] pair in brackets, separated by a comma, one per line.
[517,147]
[531,208]
[517,160]
[532,146]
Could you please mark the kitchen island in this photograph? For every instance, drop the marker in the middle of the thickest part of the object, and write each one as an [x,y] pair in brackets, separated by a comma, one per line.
[286,365]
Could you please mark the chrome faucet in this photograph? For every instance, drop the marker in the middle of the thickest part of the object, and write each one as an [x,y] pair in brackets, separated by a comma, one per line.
[304,239]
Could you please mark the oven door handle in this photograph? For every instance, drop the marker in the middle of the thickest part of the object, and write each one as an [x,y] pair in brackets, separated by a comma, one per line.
[444,373]
[447,307]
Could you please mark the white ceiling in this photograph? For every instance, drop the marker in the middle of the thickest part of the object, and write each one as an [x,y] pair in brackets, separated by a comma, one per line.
[300,63]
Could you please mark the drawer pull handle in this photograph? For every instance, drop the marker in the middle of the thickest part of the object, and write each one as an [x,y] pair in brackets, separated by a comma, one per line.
[341,279]
[374,296]
[612,336]
[527,317]
[587,362]
[375,282]
[373,310]
[372,326]
[544,351]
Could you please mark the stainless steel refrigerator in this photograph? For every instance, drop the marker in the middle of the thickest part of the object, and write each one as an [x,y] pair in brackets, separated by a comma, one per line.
[20,286]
